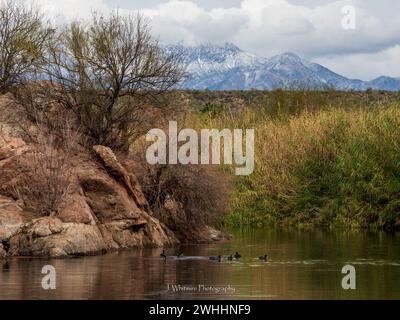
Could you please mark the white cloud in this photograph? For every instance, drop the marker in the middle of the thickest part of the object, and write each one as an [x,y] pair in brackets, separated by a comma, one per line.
[67,10]
[186,21]
[366,66]
[268,27]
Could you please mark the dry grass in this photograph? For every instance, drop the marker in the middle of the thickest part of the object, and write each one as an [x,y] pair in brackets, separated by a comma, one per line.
[330,167]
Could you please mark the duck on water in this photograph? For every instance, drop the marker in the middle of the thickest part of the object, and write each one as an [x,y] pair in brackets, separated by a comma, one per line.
[216,258]
[264,258]
[162,255]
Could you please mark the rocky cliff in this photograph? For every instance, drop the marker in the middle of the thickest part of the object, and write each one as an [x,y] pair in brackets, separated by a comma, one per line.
[103,208]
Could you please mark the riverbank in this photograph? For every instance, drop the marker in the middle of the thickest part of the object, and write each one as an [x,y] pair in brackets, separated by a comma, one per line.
[320,160]
[60,198]
[317,165]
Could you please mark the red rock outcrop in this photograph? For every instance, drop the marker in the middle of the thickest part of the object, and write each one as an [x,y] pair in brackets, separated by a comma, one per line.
[103,208]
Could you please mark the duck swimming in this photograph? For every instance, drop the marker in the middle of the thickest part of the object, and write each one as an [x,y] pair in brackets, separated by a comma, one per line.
[237,255]
[264,258]
[216,258]
[162,255]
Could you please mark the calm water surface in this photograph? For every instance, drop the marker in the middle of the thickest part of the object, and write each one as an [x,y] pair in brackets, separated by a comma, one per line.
[303,265]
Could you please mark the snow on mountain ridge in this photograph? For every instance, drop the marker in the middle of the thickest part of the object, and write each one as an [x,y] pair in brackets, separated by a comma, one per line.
[227,67]
[203,59]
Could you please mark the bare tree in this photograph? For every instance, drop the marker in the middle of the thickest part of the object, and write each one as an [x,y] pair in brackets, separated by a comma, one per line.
[109,73]
[48,170]
[23,37]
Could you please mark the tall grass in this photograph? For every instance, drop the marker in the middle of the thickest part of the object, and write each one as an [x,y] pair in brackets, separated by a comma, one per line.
[330,167]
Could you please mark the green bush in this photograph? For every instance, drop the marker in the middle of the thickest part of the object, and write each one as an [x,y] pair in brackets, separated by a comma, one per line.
[333,167]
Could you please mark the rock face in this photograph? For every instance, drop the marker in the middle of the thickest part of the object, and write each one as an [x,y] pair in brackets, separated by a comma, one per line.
[11,218]
[127,179]
[103,208]
[51,237]
[100,207]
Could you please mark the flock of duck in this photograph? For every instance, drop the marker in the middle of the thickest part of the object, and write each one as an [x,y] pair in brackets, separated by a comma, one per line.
[218,258]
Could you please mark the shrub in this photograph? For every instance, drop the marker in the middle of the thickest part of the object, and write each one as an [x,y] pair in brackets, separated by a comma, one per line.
[201,192]
[110,73]
[330,167]
[23,39]
[47,176]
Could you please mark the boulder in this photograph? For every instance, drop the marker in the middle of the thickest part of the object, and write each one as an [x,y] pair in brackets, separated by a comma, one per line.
[75,208]
[11,218]
[103,208]
[51,237]
[114,167]
[107,199]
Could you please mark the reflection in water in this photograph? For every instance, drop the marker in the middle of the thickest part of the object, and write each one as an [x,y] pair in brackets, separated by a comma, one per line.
[302,265]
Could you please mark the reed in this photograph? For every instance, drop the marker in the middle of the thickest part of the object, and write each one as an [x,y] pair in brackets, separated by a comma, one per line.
[330,166]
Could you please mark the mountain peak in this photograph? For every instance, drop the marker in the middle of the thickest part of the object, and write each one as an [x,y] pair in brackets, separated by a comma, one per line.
[228,46]
[209,58]
[287,57]
[290,55]
[385,78]
[225,66]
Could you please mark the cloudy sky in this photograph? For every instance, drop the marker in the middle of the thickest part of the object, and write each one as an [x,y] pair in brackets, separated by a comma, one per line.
[312,28]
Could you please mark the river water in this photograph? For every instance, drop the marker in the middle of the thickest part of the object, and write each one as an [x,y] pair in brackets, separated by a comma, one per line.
[302,265]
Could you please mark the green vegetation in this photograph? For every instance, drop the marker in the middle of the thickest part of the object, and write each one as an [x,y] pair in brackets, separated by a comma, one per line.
[324,165]
[323,158]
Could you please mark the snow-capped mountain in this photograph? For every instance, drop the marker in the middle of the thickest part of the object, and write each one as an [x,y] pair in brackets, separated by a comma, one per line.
[206,58]
[385,83]
[226,67]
